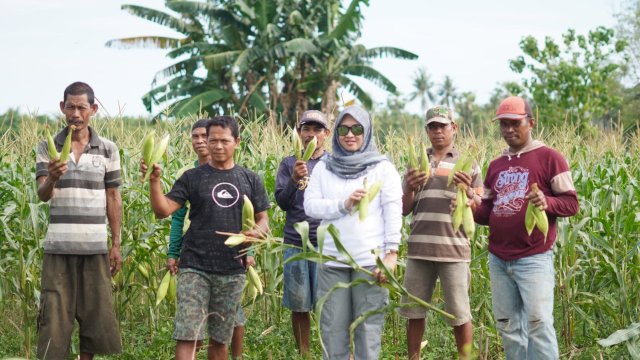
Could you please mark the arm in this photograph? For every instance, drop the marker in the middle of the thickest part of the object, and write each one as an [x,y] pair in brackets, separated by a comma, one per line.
[114,216]
[392,203]
[315,205]
[177,230]
[286,187]
[563,201]
[162,205]
[46,183]
[414,180]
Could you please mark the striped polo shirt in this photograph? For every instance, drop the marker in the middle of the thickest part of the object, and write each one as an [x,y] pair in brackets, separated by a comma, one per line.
[432,237]
[77,209]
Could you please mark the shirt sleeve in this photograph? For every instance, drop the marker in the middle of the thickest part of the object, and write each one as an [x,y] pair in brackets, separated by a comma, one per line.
[563,199]
[286,189]
[42,159]
[180,190]
[259,199]
[318,205]
[176,233]
[391,202]
[112,176]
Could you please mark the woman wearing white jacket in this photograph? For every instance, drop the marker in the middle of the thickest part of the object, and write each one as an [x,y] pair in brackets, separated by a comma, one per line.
[335,188]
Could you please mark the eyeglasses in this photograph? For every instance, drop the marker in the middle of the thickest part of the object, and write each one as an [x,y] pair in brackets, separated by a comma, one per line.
[356,130]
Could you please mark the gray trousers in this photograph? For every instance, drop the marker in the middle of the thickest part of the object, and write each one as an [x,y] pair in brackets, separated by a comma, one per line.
[343,307]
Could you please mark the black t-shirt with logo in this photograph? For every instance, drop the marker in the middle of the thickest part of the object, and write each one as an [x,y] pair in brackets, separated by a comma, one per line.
[216,198]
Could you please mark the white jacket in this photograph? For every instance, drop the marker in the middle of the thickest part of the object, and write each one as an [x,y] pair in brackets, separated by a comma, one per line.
[324,199]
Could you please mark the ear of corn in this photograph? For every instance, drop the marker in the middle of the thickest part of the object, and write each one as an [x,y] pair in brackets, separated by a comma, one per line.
[424,160]
[163,288]
[143,270]
[374,190]
[235,240]
[311,148]
[529,220]
[536,217]
[297,145]
[53,152]
[468,224]
[248,219]
[363,205]
[413,158]
[462,214]
[254,279]
[156,155]
[250,291]
[457,215]
[147,147]
[172,293]
[66,148]
[464,164]
[457,167]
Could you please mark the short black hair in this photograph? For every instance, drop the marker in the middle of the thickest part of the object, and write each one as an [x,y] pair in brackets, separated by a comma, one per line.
[201,123]
[79,88]
[225,122]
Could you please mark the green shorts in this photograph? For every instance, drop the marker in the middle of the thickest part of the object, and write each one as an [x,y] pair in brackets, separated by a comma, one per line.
[76,287]
[207,299]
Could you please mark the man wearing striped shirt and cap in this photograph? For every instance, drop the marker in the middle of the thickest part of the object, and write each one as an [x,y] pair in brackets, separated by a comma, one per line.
[78,264]
[435,249]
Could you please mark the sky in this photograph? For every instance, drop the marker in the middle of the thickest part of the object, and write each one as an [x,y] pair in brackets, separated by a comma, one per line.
[49,44]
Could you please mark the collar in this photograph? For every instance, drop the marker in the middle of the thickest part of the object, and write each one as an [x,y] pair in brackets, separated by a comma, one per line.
[94,138]
[452,153]
[535,144]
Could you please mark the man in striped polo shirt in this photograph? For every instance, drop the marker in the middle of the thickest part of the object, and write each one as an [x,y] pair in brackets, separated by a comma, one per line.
[435,249]
[78,265]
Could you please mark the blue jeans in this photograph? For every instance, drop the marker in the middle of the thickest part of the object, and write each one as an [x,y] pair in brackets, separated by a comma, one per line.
[522,292]
[300,283]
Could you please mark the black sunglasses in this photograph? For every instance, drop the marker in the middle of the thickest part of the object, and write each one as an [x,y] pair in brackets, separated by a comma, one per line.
[356,130]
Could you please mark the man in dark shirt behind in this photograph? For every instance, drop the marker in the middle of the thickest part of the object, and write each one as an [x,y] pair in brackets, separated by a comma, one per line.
[300,276]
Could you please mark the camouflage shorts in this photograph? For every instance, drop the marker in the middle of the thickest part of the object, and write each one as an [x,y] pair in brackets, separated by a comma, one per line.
[209,299]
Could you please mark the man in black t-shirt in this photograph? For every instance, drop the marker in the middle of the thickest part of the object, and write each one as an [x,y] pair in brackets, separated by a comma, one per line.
[211,275]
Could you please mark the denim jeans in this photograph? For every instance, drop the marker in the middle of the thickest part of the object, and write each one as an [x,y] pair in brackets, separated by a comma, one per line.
[522,292]
[300,283]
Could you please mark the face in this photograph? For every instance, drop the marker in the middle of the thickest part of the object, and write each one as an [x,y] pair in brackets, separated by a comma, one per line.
[78,111]
[221,144]
[308,131]
[199,141]
[441,135]
[349,141]
[516,133]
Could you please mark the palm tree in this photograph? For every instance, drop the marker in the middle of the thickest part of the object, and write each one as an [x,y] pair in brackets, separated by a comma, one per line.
[423,89]
[447,92]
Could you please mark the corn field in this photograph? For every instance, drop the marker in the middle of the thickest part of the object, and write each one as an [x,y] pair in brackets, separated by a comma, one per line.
[597,254]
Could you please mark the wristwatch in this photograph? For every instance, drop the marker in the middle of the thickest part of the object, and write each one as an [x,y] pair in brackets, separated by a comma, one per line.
[390,251]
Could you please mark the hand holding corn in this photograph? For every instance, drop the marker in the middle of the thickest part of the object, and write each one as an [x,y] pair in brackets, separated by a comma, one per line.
[536,215]
[154,174]
[354,198]
[300,171]
[414,179]
[390,260]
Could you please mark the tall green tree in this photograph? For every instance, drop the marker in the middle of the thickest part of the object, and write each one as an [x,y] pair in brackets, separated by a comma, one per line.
[423,89]
[447,91]
[573,80]
[281,55]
